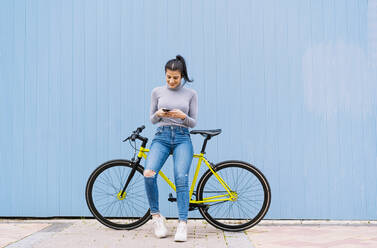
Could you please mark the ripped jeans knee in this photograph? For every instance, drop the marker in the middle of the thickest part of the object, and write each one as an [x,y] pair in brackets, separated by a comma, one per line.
[149,173]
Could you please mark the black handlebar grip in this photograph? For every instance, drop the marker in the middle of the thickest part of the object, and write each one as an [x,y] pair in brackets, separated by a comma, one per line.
[135,133]
[139,129]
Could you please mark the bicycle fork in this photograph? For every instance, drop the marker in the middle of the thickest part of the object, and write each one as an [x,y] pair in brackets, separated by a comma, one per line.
[122,193]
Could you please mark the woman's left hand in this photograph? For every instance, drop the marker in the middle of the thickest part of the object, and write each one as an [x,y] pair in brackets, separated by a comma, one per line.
[176,113]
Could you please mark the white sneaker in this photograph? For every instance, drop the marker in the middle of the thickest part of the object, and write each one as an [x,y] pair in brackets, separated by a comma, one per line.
[160,229]
[181,234]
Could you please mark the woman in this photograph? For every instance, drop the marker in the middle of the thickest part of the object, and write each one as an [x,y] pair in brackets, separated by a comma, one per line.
[174,109]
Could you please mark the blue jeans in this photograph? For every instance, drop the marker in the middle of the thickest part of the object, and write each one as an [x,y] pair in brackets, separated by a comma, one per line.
[174,140]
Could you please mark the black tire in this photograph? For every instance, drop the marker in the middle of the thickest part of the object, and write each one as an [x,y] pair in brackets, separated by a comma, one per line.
[242,178]
[133,210]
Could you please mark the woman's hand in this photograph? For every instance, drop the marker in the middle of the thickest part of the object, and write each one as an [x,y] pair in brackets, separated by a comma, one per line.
[176,113]
[161,113]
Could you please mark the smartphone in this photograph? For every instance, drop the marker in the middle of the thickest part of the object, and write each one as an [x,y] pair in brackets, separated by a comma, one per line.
[165,110]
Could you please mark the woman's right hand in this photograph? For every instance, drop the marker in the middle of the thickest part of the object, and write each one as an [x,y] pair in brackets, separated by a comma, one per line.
[161,113]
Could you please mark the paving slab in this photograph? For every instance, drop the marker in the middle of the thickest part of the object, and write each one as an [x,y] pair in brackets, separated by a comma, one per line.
[12,232]
[315,234]
[70,233]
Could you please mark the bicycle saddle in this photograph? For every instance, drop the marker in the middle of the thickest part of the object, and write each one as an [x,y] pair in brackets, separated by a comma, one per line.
[209,133]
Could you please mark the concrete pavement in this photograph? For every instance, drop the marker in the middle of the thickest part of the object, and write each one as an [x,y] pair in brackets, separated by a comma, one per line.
[70,233]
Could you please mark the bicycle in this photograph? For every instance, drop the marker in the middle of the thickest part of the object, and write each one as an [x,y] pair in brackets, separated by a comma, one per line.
[115,191]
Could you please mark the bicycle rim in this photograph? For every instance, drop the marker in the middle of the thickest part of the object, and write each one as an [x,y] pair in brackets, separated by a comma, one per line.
[108,206]
[252,193]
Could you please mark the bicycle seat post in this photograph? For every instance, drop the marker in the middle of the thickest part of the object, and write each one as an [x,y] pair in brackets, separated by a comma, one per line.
[208,134]
[208,137]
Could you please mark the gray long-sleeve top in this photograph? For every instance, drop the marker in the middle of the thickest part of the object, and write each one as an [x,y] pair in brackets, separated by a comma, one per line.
[182,98]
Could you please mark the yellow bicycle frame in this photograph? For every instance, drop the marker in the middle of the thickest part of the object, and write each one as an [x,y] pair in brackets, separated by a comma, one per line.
[231,196]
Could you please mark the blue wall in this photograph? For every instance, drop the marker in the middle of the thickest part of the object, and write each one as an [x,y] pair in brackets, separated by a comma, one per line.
[291,83]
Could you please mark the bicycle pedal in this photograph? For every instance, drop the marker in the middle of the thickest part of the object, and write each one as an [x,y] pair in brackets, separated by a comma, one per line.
[194,206]
[171,198]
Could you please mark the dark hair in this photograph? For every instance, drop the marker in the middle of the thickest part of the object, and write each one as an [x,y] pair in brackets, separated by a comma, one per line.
[178,64]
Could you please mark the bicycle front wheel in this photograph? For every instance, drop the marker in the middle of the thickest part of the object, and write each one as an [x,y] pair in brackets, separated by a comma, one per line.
[248,202]
[127,211]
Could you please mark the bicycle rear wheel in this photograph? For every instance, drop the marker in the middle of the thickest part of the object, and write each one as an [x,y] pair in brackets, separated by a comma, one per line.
[108,206]
[252,196]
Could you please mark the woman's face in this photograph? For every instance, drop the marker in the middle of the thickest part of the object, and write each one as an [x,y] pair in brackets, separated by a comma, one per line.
[173,78]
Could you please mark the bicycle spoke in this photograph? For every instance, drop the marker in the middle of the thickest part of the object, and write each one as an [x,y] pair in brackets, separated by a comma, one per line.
[239,202]
[215,213]
[247,186]
[242,180]
[250,203]
[109,181]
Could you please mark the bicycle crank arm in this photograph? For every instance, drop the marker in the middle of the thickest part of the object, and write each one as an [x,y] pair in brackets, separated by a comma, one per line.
[192,206]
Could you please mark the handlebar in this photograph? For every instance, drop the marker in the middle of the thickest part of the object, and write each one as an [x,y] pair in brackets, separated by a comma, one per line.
[135,134]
